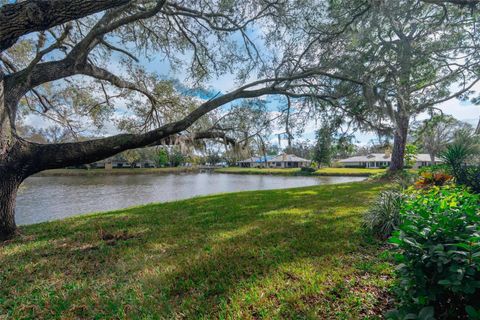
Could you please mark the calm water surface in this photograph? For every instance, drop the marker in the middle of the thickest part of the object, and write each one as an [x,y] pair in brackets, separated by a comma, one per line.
[49,198]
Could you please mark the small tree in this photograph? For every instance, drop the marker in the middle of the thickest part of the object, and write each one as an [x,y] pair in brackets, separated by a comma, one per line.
[322,153]
[176,158]
[132,156]
[411,152]
[162,158]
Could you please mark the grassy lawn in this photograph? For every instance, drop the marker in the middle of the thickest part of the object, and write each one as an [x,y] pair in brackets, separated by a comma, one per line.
[290,254]
[296,171]
[129,171]
[348,171]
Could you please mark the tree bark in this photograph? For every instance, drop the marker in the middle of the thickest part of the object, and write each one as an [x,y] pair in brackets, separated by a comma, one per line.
[8,193]
[20,18]
[8,184]
[399,143]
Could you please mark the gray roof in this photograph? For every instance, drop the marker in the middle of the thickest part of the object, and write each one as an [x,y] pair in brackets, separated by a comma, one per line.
[379,157]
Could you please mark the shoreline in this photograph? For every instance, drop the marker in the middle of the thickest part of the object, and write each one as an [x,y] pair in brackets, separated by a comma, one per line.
[327,172]
[114,172]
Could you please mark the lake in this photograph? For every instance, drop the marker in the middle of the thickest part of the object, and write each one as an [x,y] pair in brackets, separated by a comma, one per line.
[50,198]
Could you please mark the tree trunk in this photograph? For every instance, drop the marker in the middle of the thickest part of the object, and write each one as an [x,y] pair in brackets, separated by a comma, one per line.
[399,143]
[9,181]
[8,194]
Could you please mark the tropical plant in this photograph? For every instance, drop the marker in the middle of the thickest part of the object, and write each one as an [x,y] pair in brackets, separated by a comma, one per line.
[438,253]
[429,179]
[461,150]
[384,214]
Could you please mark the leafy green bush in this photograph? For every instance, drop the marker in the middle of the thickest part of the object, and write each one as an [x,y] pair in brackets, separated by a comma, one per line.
[384,215]
[438,251]
[308,169]
[469,176]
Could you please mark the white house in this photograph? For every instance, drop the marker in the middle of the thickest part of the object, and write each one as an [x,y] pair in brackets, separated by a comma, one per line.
[281,161]
[382,160]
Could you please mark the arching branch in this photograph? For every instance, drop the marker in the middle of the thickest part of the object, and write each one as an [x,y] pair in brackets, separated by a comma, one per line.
[20,18]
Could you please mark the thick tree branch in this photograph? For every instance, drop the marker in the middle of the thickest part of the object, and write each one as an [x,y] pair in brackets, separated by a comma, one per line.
[470,3]
[20,18]
[60,155]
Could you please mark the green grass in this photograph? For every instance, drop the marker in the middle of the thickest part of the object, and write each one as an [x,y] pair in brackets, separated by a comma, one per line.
[348,171]
[123,171]
[281,254]
[296,171]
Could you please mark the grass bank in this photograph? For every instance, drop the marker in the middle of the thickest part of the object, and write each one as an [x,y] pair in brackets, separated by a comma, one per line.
[359,172]
[123,171]
[292,254]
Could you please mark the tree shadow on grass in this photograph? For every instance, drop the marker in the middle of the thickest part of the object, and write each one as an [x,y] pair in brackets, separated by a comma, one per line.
[183,259]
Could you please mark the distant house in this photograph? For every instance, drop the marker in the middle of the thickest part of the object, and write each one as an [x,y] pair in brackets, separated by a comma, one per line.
[254,162]
[281,161]
[383,160]
[118,164]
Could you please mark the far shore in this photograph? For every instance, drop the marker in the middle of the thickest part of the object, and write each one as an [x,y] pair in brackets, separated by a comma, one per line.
[332,172]
[123,171]
[358,172]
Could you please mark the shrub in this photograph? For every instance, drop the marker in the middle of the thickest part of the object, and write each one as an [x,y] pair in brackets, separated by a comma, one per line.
[438,251]
[384,215]
[429,179]
[307,169]
[469,176]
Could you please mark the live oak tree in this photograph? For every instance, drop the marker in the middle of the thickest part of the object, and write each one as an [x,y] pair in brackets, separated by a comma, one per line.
[410,57]
[78,62]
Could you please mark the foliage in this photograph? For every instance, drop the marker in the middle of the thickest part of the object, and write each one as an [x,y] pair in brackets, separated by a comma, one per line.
[277,254]
[429,179]
[438,252]
[435,133]
[162,158]
[436,168]
[176,158]
[303,149]
[410,157]
[401,79]
[323,152]
[462,150]
[132,156]
[469,176]
[383,216]
[213,158]
[456,155]
[308,169]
